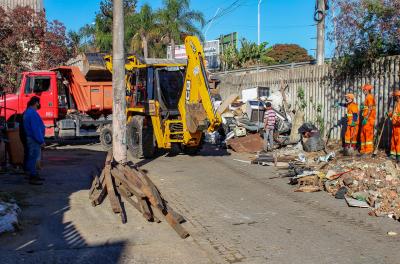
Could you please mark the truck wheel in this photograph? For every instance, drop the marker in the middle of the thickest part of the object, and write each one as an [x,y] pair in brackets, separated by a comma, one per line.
[140,138]
[106,137]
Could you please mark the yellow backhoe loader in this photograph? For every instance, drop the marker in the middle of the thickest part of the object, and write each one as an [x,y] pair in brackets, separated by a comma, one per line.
[169,105]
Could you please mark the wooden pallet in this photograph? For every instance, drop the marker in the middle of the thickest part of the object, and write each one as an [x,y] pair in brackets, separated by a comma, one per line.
[131,184]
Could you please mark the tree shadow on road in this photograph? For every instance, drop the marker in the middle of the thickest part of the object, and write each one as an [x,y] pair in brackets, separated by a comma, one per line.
[58,224]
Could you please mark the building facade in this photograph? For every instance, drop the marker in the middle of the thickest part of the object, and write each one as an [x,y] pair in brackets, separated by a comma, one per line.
[36,5]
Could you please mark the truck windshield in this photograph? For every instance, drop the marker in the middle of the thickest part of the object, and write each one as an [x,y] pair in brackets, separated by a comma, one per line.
[171,86]
[37,84]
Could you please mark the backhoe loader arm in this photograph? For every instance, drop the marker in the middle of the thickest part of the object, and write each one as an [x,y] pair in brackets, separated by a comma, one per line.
[197,89]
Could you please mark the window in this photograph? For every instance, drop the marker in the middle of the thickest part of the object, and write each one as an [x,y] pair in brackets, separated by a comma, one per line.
[37,84]
[41,84]
[171,82]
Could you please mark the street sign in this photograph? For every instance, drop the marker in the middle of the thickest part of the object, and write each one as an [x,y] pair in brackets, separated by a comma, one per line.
[211,53]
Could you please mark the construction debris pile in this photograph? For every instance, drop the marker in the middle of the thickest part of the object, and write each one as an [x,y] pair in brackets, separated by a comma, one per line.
[134,186]
[243,119]
[363,182]
[9,214]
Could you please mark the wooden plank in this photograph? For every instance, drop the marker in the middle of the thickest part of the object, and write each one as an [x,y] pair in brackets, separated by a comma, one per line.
[148,189]
[98,191]
[112,196]
[132,186]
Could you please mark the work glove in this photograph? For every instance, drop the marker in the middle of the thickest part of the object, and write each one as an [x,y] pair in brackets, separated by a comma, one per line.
[353,124]
[364,122]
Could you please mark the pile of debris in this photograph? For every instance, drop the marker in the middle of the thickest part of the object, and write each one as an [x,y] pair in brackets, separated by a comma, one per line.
[242,122]
[9,214]
[363,182]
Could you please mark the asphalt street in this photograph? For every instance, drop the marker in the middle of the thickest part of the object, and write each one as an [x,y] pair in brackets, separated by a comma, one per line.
[235,214]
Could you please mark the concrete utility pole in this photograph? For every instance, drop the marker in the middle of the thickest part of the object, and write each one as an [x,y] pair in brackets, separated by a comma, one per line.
[320,18]
[119,103]
[259,22]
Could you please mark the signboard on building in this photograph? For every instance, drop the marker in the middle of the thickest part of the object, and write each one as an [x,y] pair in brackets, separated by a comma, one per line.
[211,52]
[228,40]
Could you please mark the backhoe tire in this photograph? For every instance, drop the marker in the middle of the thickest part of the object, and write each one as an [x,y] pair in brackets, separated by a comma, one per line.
[106,137]
[140,138]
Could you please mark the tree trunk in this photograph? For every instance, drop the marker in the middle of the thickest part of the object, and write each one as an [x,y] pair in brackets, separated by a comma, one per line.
[172,48]
[119,103]
[145,47]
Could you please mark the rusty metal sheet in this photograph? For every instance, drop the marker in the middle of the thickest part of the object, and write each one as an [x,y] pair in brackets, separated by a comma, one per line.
[249,144]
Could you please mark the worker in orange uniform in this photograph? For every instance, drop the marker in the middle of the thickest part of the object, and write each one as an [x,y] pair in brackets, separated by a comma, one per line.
[368,121]
[350,137]
[395,117]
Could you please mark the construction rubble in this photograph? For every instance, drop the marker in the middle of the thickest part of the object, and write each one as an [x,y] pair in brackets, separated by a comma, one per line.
[371,182]
[243,120]
[311,164]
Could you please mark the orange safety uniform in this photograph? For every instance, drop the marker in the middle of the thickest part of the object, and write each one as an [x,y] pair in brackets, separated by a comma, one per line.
[395,144]
[367,130]
[350,137]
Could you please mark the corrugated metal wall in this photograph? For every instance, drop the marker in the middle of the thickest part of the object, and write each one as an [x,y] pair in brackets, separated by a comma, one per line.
[36,5]
[322,86]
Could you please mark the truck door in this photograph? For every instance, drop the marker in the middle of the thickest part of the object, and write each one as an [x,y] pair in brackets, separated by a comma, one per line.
[41,86]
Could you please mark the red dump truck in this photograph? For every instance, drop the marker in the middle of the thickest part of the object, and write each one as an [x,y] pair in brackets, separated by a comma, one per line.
[75,104]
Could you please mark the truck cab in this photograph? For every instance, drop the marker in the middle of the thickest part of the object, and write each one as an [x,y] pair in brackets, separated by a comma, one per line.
[42,84]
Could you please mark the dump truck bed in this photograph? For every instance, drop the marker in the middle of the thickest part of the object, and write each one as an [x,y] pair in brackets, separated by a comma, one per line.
[92,98]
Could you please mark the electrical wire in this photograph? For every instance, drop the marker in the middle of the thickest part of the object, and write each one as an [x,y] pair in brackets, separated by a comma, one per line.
[228,10]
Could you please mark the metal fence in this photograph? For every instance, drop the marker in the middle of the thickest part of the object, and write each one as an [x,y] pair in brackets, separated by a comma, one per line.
[322,87]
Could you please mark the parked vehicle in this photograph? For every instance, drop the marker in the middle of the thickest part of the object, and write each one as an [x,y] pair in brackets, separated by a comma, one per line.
[71,106]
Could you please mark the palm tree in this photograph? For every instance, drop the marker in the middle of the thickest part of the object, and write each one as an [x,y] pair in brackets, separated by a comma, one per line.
[176,18]
[146,29]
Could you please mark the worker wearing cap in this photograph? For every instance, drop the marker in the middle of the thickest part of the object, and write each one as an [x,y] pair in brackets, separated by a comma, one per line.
[352,124]
[368,122]
[395,117]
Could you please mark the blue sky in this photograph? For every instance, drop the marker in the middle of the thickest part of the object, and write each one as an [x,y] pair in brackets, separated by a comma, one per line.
[289,21]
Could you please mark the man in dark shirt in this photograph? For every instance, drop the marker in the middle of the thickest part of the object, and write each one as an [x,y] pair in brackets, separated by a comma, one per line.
[34,131]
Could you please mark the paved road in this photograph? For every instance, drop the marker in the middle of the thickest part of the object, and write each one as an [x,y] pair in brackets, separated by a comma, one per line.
[235,213]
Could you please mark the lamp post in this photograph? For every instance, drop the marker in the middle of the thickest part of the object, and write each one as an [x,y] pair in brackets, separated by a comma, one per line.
[259,22]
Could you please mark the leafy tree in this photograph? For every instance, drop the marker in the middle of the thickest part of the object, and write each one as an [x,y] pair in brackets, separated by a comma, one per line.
[177,19]
[29,42]
[252,54]
[74,42]
[288,53]
[230,58]
[53,49]
[100,34]
[147,30]
[365,30]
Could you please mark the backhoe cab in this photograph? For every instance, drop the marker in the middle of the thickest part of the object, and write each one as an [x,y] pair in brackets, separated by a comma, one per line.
[168,102]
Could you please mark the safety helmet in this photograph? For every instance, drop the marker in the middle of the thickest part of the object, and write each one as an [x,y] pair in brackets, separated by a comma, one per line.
[367,87]
[350,96]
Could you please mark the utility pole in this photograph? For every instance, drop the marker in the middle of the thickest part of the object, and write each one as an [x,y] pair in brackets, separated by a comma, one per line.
[320,18]
[259,22]
[119,103]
